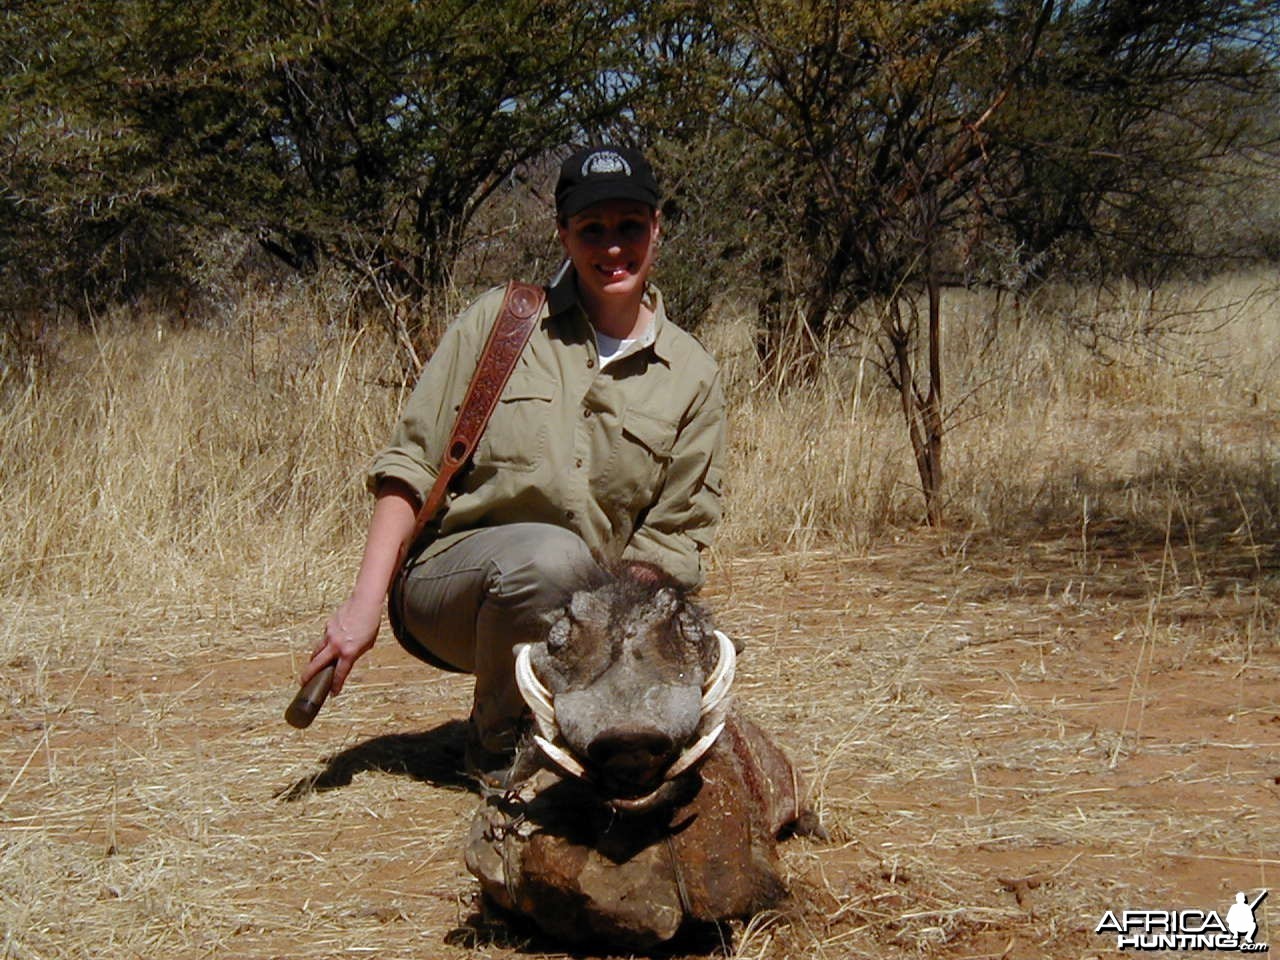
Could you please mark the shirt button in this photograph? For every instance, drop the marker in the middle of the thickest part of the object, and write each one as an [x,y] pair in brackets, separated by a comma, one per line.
[568,515]
[578,463]
[590,363]
[586,413]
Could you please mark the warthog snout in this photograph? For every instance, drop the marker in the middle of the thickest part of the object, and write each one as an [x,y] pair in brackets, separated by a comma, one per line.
[631,756]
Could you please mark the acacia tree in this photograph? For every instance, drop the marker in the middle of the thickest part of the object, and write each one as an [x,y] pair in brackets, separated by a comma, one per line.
[366,132]
[73,201]
[874,116]
[898,140]
[1120,127]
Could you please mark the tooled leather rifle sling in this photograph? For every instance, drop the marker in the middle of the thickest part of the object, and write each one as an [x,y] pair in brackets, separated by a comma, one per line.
[511,331]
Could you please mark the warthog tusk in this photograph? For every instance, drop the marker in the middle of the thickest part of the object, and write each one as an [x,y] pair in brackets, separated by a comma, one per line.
[694,753]
[539,699]
[561,758]
[715,695]
[721,679]
[537,696]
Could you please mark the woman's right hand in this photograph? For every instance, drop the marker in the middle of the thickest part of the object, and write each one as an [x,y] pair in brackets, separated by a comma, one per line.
[353,627]
[349,633]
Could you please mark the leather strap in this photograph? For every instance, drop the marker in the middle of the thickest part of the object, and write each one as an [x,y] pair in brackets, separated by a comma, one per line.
[511,331]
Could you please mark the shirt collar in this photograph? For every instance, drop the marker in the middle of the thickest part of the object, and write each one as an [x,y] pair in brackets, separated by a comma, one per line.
[562,295]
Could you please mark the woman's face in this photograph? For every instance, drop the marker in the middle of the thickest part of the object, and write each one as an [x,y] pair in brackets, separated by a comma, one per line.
[612,245]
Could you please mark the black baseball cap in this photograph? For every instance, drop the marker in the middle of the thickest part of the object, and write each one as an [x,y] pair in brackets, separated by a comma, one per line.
[593,174]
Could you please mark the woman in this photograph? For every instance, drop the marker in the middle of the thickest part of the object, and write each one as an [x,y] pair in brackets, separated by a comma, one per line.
[606,445]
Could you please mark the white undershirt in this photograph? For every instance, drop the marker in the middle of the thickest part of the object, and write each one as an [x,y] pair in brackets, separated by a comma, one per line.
[612,348]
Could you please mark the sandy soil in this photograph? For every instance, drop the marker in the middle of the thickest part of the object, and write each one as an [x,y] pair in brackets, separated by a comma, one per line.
[1005,741]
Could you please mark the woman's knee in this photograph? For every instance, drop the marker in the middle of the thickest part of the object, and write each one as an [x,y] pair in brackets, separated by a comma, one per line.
[540,565]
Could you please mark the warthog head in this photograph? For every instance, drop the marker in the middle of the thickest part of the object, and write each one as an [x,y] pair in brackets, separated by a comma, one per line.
[629,689]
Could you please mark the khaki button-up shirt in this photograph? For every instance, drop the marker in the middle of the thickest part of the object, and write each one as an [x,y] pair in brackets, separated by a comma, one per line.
[628,457]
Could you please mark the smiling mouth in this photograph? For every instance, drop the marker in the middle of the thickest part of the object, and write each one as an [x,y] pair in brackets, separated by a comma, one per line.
[615,273]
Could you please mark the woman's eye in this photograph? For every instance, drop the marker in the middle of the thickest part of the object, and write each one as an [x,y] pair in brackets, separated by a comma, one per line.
[633,229]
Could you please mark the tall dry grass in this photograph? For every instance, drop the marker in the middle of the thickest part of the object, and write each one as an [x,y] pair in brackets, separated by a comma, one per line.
[1070,408]
[224,465]
[193,464]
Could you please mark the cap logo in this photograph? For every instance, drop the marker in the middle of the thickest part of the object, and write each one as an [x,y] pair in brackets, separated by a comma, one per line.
[605,162]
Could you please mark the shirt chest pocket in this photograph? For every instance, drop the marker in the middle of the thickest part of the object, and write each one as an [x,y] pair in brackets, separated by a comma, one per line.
[640,462]
[516,436]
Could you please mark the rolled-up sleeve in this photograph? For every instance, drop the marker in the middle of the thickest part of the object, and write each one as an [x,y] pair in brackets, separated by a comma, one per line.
[418,440]
[682,521]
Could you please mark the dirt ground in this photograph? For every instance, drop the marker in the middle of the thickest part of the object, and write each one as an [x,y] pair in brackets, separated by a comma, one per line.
[1004,741]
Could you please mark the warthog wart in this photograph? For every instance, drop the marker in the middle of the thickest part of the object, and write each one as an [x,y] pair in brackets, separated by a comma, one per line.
[642,799]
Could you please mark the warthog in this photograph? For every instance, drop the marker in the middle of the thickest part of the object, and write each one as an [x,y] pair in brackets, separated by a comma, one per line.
[640,800]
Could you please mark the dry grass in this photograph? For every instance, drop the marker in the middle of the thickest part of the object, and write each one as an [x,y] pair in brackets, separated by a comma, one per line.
[1164,404]
[1064,704]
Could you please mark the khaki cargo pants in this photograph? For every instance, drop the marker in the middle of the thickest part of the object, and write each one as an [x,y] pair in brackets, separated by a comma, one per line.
[467,607]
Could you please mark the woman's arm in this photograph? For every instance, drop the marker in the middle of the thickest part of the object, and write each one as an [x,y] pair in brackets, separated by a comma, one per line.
[353,627]
[681,523]
[399,476]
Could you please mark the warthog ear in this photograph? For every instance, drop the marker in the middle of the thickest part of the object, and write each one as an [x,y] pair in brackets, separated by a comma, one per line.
[693,627]
[696,627]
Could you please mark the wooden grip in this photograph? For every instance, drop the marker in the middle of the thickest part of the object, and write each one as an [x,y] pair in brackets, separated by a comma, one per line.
[310,699]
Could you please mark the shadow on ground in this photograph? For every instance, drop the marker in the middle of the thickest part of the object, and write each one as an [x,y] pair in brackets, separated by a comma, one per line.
[433,756]
[494,927]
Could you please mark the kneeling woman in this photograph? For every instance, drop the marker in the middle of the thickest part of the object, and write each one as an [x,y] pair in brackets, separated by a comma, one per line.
[606,444]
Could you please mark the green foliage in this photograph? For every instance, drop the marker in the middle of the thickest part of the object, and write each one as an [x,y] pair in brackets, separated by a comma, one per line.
[1118,129]
[366,132]
[73,194]
[868,145]
[814,152]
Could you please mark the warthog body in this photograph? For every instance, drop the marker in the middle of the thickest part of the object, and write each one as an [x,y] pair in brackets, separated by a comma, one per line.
[642,800]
